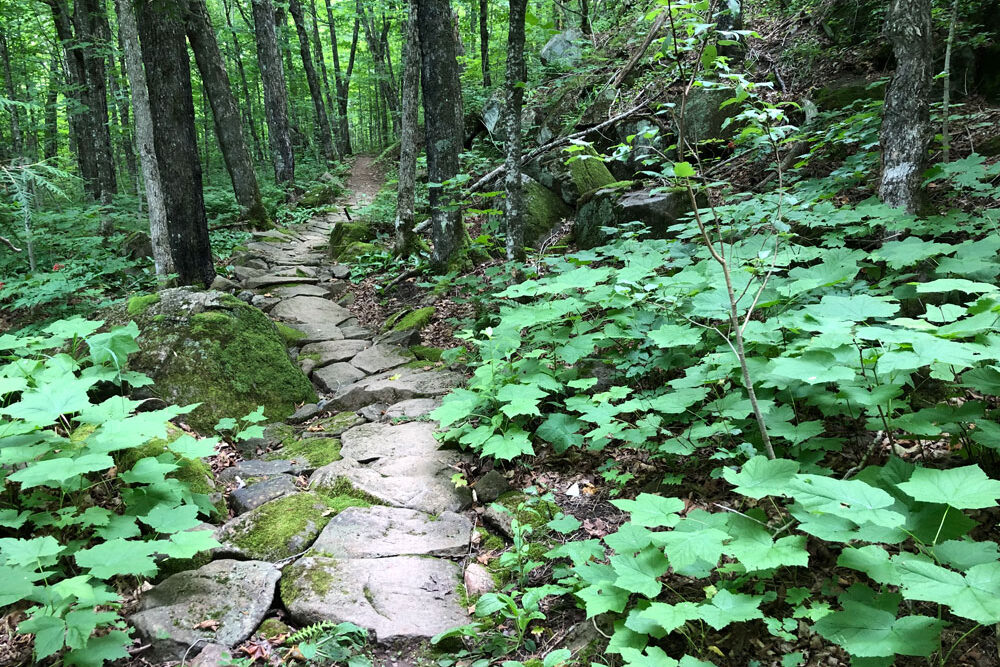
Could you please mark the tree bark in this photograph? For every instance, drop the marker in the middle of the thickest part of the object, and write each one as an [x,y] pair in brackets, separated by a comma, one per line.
[225,114]
[129,32]
[384,77]
[513,101]
[315,91]
[406,238]
[91,20]
[585,17]
[484,41]
[275,94]
[341,82]
[906,128]
[324,75]
[248,112]
[50,146]
[442,111]
[168,78]
[15,113]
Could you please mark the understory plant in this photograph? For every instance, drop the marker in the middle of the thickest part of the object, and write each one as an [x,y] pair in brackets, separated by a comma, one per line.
[79,525]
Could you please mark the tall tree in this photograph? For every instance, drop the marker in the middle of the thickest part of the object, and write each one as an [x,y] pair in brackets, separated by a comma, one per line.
[405,236]
[168,77]
[321,61]
[484,41]
[51,142]
[129,32]
[315,91]
[249,117]
[513,101]
[275,94]
[343,82]
[225,113]
[8,80]
[442,122]
[906,127]
[377,46]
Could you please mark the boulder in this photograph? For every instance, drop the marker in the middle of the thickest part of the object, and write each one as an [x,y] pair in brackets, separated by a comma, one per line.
[478,581]
[380,358]
[277,529]
[330,351]
[232,595]
[846,91]
[588,171]
[562,50]
[543,210]
[346,233]
[379,532]
[337,376]
[213,349]
[492,113]
[704,115]
[394,386]
[412,408]
[613,208]
[253,496]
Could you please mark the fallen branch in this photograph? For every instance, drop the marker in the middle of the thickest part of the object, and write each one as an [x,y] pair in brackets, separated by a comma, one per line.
[12,246]
[653,32]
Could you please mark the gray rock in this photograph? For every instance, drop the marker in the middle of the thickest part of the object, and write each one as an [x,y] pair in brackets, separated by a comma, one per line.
[298,270]
[354,331]
[213,655]
[255,263]
[310,310]
[347,300]
[223,284]
[246,296]
[237,594]
[402,338]
[287,292]
[412,408]
[265,303]
[490,486]
[251,446]
[380,358]
[369,442]
[305,413]
[492,112]
[307,366]
[333,350]
[561,50]
[269,280]
[336,288]
[478,580]
[395,386]
[244,273]
[377,532]
[397,598]
[340,271]
[253,496]
[276,530]
[336,376]
[613,209]
[704,119]
[374,412]
[317,332]
[254,469]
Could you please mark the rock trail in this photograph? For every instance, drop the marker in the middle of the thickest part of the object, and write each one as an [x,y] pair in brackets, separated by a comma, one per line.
[375,535]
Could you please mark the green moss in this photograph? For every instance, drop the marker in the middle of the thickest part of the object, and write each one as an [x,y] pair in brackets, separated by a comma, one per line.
[272,628]
[290,335]
[415,319]
[355,251]
[171,566]
[342,488]
[543,210]
[321,194]
[617,186]
[536,514]
[338,423]
[346,234]
[138,304]
[282,527]
[588,171]
[317,452]
[299,579]
[427,353]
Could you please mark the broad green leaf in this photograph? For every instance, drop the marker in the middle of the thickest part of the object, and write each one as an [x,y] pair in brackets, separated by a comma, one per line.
[652,511]
[34,551]
[45,406]
[812,367]
[853,498]
[49,631]
[148,471]
[873,560]
[167,519]
[671,616]
[866,631]
[520,399]
[955,285]
[640,573]
[188,543]
[564,524]
[761,477]
[675,335]
[100,650]
[511,444]
[967,487]
[55,472]
[683,170]
[456,406]
[603,597]
[17,584]
[117,557]
[974,595]
[964,554]
[754,548]
[561,431]
[629,538]
[726,608]
[898,254]
[189,447]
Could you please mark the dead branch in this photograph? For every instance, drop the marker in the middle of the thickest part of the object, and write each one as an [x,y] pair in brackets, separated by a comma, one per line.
[12,246]
[653,32]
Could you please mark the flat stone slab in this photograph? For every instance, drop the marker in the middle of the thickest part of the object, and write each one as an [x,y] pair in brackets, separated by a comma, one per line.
[395,386]
[236,594]
[415,407]
[253,496]
[333,350]
[336,376]
[317,332]
[287,292]
[255,468]
[378,532]
[398,598]
[380,358]
[355,331]
[269,280]
[311,310]
[276,530]
[370,442]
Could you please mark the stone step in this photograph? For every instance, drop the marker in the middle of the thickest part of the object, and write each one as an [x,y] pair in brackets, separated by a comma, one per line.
[378,532]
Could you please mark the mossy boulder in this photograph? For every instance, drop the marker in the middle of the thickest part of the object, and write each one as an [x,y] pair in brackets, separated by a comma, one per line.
[279,528]
[213,349]
[314,452]
[610,208]
[322,194]
[845,92]
[543,210]
[410,320]
[705,117]
[589,171]
[346,234]
[425,353]
[356,251]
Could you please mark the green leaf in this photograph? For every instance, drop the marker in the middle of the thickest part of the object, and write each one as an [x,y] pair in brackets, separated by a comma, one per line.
[100,650]
[726,608]
[167,519]
[44,406]
[557,658]
[955,285]
[509,445]
[974,595]
[189,447]
[17,584]
[34,551]
[564,524]
[761,477]
[675,335]
[520,399]
[652,511]
[49,631]
[603,597]
[458,405]
[118,557]
[964,488]
[55,472]
[639,573]
[561,431]
[873,560]
[683,170]
[811,367]
[188,543]
[852,498]
[899,254]
[754,548]
[148,471]
[671,616]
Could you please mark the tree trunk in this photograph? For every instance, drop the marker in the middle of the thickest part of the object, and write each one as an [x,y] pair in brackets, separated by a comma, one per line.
[51,144]
[906,128]
[513,101]
[385,80]
[324,75]
[406,238]
[248,112]
[168,77]
[162,258]
[225,113]
[127,141]
[315,92]
[275,95]
[91,20]
[442,109]
[585,17]
[15,113]
[484,41]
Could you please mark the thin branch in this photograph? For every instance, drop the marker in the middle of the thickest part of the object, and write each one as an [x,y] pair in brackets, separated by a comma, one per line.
[12,246]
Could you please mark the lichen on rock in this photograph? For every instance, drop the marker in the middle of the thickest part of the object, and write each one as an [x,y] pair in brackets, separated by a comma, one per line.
[213,349]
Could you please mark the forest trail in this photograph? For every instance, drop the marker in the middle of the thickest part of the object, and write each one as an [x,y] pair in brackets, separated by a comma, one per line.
[390,558]
[364,181]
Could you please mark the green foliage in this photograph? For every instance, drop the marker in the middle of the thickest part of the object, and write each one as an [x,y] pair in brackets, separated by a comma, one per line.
[64,422]
[332,643]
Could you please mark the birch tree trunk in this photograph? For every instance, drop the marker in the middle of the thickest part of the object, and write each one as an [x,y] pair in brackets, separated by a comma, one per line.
[513,101]
[405,236]
[443,129]
[225,114]
[906,127]
[275,94]
[315,91]
[162,259]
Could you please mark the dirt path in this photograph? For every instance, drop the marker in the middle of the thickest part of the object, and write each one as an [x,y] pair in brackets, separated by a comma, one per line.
[364,181]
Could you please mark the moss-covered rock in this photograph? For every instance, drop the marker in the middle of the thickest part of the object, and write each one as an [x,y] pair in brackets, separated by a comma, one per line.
[356,251]
[410,320]
[272,629]
[322,194]
[846,92]
[589,171]
[290,335]
[543,210]
[338,423]
[138,304]
[213,349]
[279,528]
[316,452]
[426,353]
[613,208]
[344,234]
[705,117]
